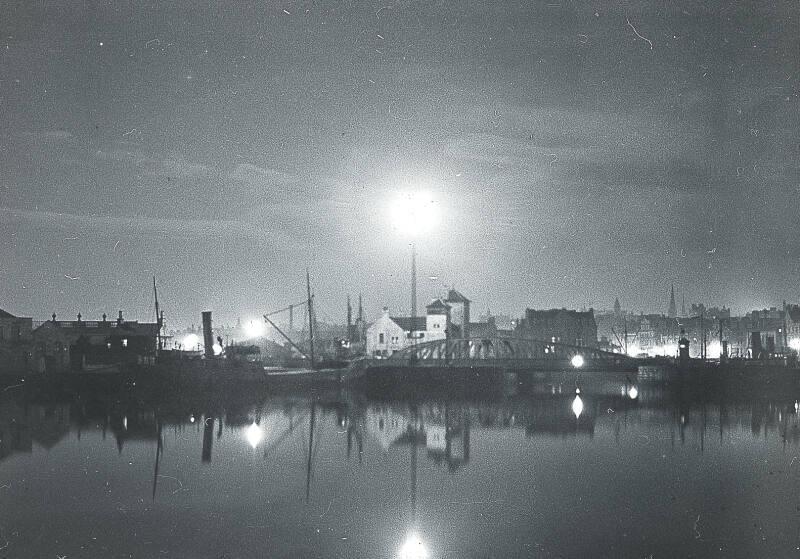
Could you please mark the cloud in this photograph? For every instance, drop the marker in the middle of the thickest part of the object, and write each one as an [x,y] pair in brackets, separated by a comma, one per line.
[246,172]
[183,168]
[49,135]
[136,156]
[252,180]
[146,226]
[153,165]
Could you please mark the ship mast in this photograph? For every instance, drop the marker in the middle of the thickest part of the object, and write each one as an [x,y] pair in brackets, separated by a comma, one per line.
[310,319]
[158,316]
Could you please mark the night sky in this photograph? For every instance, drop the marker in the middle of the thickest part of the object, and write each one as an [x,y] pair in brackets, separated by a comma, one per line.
[577,153]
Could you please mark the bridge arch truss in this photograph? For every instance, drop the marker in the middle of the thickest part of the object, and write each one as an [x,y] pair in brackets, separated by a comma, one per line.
[488,351]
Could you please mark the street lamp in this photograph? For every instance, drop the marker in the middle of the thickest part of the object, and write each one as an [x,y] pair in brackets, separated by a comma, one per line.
[414,214]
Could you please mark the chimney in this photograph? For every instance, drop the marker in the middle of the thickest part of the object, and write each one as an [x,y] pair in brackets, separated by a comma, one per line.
[119,318]
[208,336]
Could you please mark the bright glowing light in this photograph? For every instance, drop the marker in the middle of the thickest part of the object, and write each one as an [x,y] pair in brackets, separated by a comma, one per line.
[714,350]
[413,548]
[254,329]
[414,213]
[577,404]
[796,406]
[667,349]
[191,419]
[577,361]
[794,343]
[634,350]
[633,393]
[253,434]
[217,349]
[191,342]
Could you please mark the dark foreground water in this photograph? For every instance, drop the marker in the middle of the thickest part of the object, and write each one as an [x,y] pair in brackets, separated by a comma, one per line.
[665,473]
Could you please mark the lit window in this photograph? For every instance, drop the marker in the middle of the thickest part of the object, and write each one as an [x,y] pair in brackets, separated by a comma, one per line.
[124,342]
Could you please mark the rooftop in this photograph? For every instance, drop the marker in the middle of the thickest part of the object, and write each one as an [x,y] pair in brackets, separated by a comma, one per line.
[405,322]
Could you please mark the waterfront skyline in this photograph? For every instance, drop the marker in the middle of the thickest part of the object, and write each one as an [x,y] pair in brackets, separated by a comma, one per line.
[578,155]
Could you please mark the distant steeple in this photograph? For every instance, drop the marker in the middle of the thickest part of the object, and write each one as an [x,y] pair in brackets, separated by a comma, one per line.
[671,311]
[617,307]
[683,304]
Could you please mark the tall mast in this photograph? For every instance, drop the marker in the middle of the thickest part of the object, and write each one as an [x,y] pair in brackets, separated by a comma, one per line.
[158,314]
[413,290]
[349,320]
[310,318]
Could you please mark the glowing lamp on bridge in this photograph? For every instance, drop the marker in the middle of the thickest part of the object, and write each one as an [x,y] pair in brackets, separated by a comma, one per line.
[253,434]
[633,393]
[413,548]
[577,404]
[577,361]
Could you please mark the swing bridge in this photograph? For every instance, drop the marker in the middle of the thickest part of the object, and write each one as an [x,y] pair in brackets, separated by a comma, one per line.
[505,353]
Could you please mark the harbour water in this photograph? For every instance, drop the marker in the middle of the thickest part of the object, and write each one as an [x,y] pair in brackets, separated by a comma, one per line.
[633,471]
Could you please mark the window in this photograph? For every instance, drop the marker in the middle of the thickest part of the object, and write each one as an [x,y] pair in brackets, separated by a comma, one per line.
[381,338]
[124,342]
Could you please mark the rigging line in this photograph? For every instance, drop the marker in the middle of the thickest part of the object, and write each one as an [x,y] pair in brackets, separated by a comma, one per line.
[301,303]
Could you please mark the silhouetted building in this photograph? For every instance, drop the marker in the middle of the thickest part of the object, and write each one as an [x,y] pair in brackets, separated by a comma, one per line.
[60,345]
[560,326]
[15,343]
[459,312]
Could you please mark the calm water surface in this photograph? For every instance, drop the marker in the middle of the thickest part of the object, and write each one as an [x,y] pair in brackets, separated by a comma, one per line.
[296,474]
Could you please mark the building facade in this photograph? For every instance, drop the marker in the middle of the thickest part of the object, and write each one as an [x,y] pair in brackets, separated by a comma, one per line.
[15,343]
[459,312]
[559,326]
[79,345]
[389,334]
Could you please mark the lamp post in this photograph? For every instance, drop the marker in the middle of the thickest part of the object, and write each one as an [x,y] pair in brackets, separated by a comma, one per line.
[414,214]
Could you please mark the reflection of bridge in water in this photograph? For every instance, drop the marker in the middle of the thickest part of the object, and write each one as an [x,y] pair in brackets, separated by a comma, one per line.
[504,353]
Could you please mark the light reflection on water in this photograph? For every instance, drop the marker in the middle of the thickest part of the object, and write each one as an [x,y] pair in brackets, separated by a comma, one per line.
[630,471]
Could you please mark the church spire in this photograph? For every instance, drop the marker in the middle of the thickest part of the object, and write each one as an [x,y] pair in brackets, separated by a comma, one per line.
[672,312]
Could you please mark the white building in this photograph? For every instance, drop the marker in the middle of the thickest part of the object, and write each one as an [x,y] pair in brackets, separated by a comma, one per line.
[389,334]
